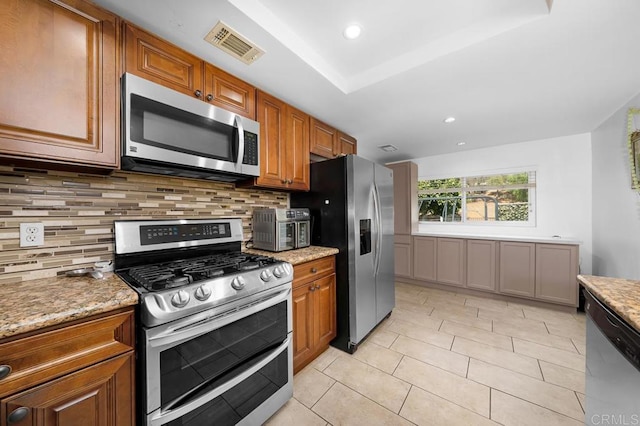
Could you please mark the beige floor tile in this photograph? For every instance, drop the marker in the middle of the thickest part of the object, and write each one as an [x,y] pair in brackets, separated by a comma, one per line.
[343,406]
[436,299]
[424,408]
[563,376]
[326,358]
[423,320]
[378,356]
[492,305]
[386,390]
[470,321]
[294,413]
[413,306]
[383,336]
[522,386]
[496,356]
[532,335]
[543,314]
[581,346]
[571,329]
[468,311]
[438,357]
[509,410]
[523,324]
[409,288]
[582,398]
[439,293]
[545,353]
[436,338]
[463,392]
[482,336]
[309,385]
[500,315]
[416,298]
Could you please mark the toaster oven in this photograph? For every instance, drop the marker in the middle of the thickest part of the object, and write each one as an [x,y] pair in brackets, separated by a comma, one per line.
[281,229]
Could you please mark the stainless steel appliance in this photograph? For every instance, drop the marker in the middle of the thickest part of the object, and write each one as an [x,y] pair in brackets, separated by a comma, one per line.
[167,132]
[613,367]
[215,325]
[281,229]
[351,202]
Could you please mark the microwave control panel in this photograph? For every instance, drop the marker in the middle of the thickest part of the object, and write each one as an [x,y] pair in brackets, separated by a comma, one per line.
[250,149]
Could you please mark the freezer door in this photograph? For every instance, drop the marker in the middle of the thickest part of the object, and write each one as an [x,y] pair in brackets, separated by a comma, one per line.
[385,272]
[362,289]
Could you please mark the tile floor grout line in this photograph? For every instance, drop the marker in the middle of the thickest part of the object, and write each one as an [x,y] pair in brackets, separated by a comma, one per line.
[541,406]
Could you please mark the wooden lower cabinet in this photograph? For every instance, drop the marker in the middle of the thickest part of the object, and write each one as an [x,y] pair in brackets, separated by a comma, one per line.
[556,271]
[481,264]
[314,309]
[99,395]
[517,268]
[424,258]
[450,261]
[402,259]
[77,374]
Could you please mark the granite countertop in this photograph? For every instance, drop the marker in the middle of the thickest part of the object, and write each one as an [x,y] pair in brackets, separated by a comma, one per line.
[531,239]
[620,295]
[34,304]
[297,256]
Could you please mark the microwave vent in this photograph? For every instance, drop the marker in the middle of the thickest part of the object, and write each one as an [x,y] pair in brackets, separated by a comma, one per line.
[229,40]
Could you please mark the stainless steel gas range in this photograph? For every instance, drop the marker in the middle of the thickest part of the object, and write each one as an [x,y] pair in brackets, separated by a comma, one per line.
[214,340]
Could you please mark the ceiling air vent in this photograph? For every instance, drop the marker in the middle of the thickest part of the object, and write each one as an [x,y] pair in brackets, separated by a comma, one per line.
[228,39]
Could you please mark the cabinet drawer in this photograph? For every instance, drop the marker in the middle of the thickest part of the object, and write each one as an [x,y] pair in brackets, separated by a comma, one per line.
[309,271]
[42,357]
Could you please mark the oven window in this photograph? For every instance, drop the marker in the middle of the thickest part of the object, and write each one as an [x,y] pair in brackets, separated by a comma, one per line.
[234,404]
[163,126]
[187,369]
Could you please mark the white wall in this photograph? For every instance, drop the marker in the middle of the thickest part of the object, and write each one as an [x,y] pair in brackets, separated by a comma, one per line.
[616,207]
[563,188]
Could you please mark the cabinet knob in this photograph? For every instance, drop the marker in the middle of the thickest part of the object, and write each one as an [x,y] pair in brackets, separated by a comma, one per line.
[209,97]
[5,370]
[312,288]
[283,181]
[17,415]
[314,270]
[198,93]
[317,287]
[289,181]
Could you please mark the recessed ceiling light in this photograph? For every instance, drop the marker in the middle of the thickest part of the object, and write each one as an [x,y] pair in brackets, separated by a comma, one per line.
[449,120]
[352,31]
[388,148]
[461,143]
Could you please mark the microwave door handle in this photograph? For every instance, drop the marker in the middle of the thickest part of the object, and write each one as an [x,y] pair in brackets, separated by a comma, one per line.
[238,123]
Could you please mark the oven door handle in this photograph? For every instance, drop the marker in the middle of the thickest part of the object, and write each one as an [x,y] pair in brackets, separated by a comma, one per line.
[159,417]
[202,324]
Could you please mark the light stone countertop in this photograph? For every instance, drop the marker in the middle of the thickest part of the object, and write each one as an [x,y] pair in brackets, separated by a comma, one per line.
[31,305]
[297,256]
[526,239]
[620,295]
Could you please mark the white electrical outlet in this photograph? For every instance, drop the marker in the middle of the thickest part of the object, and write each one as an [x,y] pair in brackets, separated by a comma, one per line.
[31,234]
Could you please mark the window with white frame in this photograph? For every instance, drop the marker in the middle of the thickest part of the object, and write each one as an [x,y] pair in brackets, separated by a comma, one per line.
[507,198]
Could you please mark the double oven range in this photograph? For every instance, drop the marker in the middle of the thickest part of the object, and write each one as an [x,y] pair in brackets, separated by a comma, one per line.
[214,324]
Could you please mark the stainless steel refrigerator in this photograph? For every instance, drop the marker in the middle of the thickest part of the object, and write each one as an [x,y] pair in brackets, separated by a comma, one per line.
[351,203]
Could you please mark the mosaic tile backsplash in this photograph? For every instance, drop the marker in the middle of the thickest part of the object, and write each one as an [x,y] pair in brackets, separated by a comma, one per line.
[78,211]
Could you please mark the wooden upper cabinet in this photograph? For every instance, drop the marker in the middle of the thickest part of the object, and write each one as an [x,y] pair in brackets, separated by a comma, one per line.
[155,59]
[297,148]
[59,83]
[346,144]
[324,139]
[228,92]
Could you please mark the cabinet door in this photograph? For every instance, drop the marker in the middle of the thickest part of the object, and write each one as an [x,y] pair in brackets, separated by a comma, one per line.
[324,310]
[99,395]
[481,264]
[303,328]
[556,273]
[59,83]
[271,115]
[159,61]
[517,268]
[450,261]
[324,139]
[424,258]
[297,151]
[229,92]
[346,144]
[405,197]
[402,259]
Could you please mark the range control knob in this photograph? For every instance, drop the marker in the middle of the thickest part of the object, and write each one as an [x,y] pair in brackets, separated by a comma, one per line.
[265,275]
[180,299]
[282,270]
[238,283]
[202,293]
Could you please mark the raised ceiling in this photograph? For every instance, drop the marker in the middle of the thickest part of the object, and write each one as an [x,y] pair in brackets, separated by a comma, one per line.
[508,70]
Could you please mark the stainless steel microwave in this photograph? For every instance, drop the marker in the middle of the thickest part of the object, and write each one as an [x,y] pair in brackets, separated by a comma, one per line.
[167,132]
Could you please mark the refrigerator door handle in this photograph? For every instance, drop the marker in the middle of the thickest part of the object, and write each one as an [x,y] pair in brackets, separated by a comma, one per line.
[378,219]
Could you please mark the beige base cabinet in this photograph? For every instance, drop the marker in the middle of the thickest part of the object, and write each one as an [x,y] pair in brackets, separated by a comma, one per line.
[403,256]
[481,264]
[556,270]
[450,261]
[424,258]
[517,268]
